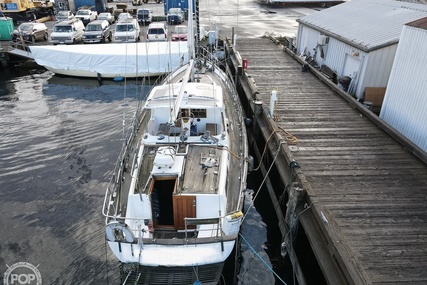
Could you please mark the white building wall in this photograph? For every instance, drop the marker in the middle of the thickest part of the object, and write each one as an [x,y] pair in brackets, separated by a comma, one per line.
[366,69]
[336,56]
[306,40]
[379,66]
[405,101]
[346,60]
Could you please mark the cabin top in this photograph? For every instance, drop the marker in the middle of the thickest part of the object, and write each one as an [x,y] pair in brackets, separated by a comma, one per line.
[194,95]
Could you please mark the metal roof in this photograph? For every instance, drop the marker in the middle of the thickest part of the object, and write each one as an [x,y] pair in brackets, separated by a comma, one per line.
[366,24]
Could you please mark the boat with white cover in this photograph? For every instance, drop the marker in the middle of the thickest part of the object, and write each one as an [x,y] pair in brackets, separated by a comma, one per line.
[173,208]
[112,60]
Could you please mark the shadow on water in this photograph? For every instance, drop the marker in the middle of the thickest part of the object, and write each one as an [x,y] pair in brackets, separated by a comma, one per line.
[91,89]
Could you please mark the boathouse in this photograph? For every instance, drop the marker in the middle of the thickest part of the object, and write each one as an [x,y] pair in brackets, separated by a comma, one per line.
[357,39]
[405,102]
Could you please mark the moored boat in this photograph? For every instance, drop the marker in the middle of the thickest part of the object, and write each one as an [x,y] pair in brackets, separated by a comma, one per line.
[112,60]
[173,209]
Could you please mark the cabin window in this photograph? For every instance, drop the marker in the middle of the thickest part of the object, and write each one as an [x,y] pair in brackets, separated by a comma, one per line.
[193,113]
[199,113]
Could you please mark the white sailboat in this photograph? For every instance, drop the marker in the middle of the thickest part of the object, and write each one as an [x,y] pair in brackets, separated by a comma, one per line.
[112,60]
[173,210]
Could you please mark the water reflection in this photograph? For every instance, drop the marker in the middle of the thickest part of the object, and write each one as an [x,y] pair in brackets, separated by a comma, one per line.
[58,145]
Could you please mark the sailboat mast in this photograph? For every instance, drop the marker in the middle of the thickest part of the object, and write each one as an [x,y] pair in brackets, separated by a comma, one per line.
[191,44]
[173,116]
[177,103]
[196,11]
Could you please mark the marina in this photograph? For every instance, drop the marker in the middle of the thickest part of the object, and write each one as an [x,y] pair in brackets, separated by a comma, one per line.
[347,190]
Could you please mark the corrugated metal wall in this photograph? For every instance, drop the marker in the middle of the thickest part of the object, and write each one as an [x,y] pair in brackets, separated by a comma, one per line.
[337,59]
[373,69]
[306,39]
[405,102]
[378,66]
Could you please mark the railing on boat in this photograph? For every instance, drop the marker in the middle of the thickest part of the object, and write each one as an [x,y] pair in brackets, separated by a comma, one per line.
[122,161]
[205,221]
[164,236]
[120,166]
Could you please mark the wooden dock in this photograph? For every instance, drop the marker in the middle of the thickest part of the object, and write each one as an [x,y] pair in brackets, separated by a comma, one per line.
[364,198]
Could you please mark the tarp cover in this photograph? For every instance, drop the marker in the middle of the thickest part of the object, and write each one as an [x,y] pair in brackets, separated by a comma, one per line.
[111,60]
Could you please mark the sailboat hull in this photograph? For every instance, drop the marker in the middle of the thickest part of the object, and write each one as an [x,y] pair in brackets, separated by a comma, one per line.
[179,256]
[209,274]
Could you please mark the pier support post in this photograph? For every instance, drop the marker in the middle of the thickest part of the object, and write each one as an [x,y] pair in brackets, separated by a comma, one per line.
[296,197]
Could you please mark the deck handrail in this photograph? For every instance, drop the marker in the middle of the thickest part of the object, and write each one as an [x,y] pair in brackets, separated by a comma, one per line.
[205,221]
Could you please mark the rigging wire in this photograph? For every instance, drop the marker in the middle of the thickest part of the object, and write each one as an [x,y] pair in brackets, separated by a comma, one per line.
[289,138]
[294,224]
[223,282]
[124,97]
[106,259]
[263,181]
[196,272]
[237,16]
[260,258]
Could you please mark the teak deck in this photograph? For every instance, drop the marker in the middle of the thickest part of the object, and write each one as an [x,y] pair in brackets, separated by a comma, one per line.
[372,192]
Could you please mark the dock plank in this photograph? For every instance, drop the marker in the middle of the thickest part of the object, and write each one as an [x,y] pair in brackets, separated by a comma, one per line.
[372,191]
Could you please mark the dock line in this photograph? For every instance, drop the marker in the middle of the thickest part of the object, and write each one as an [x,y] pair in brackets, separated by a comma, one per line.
[256,253]
[265,177]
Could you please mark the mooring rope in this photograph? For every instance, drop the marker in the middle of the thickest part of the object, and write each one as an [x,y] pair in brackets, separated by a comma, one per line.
[268,266]
[263,181]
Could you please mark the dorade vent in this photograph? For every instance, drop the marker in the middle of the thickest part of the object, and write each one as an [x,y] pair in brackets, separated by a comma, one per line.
[165,157]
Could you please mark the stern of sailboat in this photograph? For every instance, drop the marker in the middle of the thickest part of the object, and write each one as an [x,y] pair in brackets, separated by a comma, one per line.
[209,274]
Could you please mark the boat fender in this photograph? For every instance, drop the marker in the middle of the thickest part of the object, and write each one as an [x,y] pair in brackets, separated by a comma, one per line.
[236,215]
[251,163]
[248,123]
[116,231]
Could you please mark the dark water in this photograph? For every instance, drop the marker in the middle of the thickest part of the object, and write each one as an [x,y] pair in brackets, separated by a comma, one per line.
[59,141]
